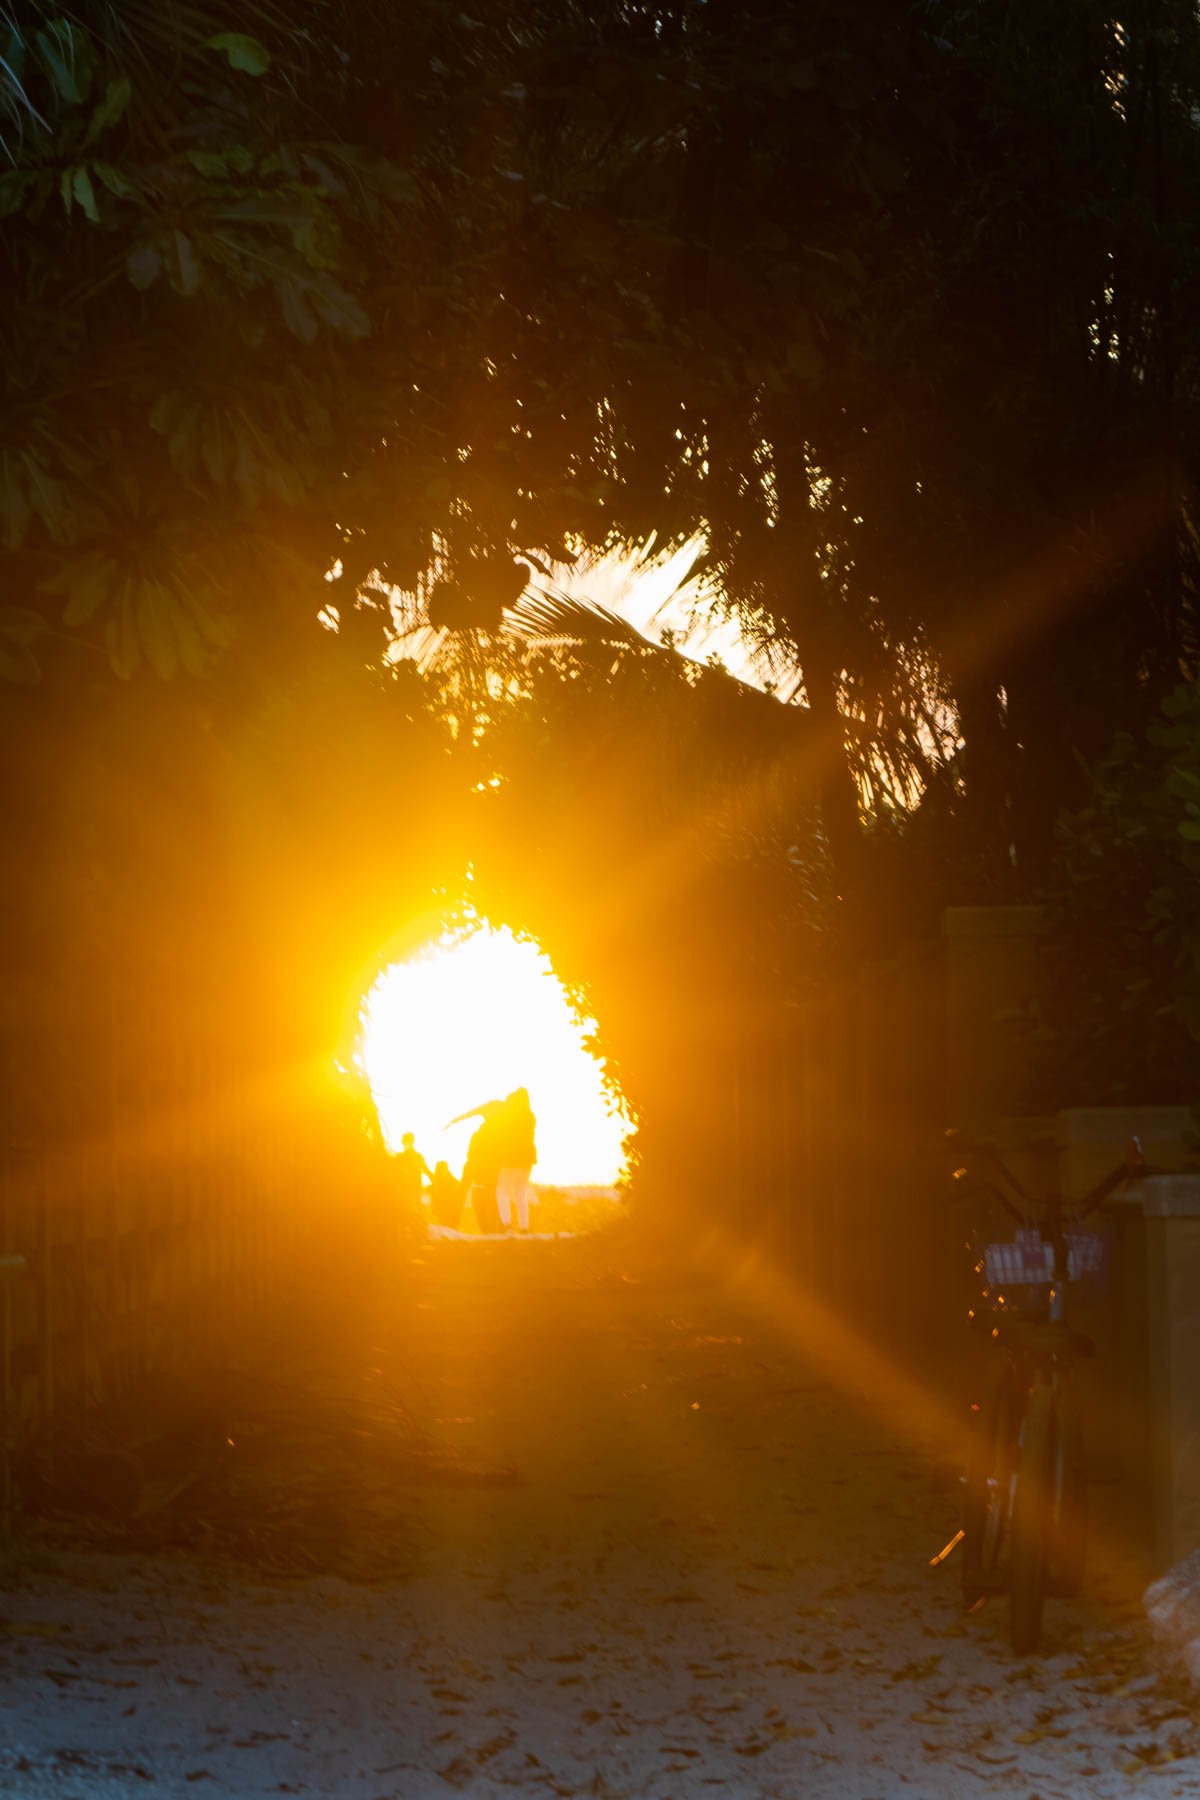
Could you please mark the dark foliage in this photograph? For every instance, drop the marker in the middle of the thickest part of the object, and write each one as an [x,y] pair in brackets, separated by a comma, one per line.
[308,308]
[1122,1015]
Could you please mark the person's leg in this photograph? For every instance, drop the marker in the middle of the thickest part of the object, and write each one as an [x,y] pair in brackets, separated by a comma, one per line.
[487,1212]
[521,1195]
[504,1197]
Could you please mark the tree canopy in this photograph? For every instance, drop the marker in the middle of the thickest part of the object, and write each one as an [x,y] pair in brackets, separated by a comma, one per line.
[894,304]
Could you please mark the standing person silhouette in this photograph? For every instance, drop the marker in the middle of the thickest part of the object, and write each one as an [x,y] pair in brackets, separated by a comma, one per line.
[445,1197]
[482,1169]
[411,1171]
[518,1153]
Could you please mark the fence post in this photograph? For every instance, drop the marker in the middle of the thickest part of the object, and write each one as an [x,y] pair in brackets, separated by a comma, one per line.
[46,1309]
[10,1267]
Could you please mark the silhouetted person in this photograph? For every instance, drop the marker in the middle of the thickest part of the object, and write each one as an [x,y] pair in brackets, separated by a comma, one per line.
[411,1171]
[483,1161]
[482,1170]
[445,1196]
[518,1153]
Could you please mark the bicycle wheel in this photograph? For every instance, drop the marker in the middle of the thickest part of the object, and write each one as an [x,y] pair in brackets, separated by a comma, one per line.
[990,1454]
[1067,1551]
[1033,1505]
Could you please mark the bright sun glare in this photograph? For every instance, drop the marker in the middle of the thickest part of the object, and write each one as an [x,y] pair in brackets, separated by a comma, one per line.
[470,1019]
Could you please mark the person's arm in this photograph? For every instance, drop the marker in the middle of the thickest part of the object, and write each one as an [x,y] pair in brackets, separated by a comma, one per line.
[472,1112]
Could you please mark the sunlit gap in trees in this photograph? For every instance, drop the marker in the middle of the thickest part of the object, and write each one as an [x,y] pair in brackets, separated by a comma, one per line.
[658,591]
[671,601]
[668,601]
[475,1014]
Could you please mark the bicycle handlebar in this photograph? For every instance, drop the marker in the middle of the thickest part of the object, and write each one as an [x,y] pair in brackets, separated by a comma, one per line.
[1130,1169]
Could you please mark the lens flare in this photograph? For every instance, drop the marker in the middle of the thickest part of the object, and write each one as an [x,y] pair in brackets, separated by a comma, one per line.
[468,1020]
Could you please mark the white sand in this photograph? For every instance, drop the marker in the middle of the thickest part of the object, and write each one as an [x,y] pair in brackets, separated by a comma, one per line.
[710,1578]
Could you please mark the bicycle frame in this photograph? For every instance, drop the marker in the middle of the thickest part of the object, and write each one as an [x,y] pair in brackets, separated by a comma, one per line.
[1023,1524]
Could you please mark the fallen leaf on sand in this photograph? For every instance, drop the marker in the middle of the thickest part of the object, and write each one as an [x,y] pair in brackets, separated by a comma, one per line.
[493,1747]
[919,1670]
[600,1789]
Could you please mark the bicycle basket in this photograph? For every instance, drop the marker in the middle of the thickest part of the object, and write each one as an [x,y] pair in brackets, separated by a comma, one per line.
[1029,1262]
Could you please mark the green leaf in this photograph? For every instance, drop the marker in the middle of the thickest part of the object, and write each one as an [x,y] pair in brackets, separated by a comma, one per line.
[297,314]
[167,411]
[183,443]
[46,497]
[339,309]
[15,510]
[1189,829]
[111,108]
[306,238]
[89,585]
[113,180]
[20,624]
[13,189]
[18,665]
[156,630]
[66,54]
[12,50]
[85,193]
[185,276]
[121,635]
[1171,737]
[213,451]
[1182,781]
[193,657]
[144,265]
[247,467]
[214,628]
[244,53]
[219,165]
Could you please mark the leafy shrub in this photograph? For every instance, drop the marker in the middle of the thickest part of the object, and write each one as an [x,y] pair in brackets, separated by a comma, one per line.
[1121,1015]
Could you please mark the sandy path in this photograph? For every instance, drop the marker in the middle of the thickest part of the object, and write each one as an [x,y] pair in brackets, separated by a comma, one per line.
[709,1575]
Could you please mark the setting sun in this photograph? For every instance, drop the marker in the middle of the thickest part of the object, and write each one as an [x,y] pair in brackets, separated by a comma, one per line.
[468,1020]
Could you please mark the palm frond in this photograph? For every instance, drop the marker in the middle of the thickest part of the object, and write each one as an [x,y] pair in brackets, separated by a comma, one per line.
[547,618]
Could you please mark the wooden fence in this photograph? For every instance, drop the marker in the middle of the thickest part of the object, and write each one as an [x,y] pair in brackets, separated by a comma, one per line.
[159,1177]
[157,1186]
[835,1158]
[836,1162]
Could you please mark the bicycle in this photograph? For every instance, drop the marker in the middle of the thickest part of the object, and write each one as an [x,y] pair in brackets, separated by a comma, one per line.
[1023,1525]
